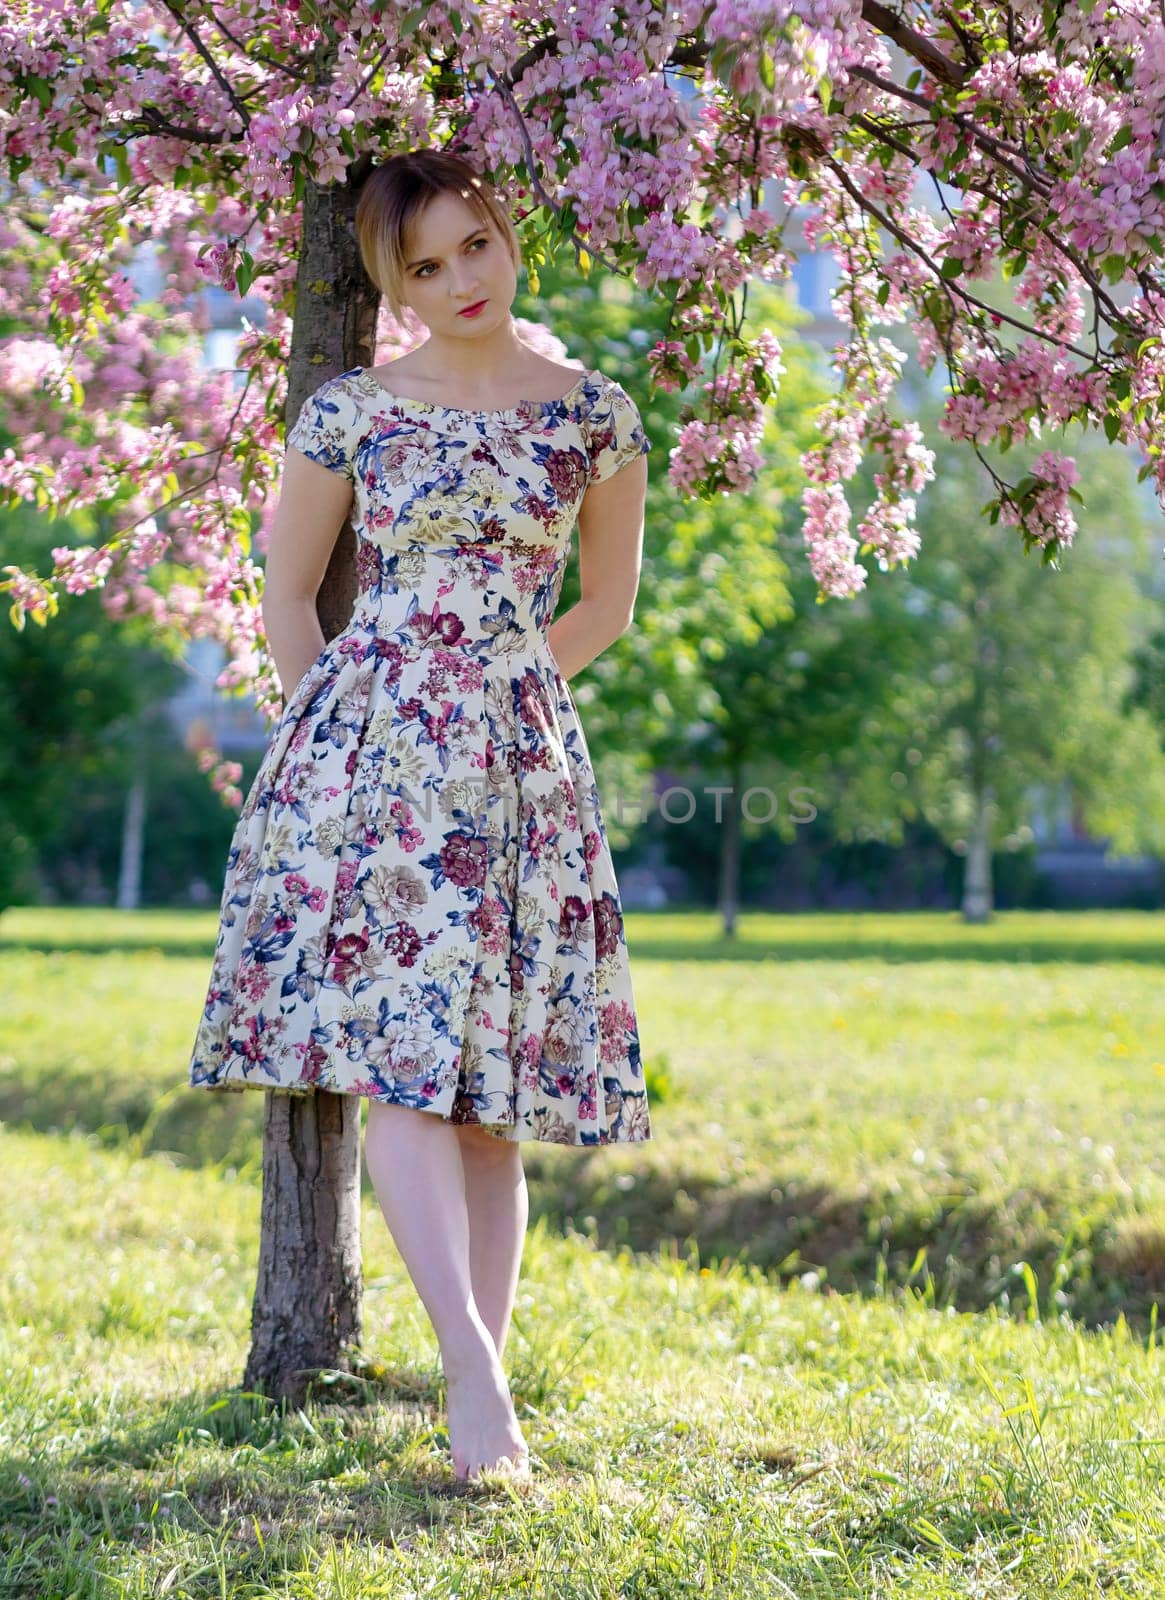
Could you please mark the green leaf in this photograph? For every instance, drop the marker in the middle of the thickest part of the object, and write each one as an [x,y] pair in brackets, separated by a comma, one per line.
[768,73]
[825,90]
[952,267]
[1112,426]
[245,272]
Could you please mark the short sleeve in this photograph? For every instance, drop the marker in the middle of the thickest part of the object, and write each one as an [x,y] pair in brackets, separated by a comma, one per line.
[325,428]
[616,431]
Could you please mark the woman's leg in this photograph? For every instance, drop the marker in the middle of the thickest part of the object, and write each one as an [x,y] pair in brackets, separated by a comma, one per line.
[414,1160]
[498,1206]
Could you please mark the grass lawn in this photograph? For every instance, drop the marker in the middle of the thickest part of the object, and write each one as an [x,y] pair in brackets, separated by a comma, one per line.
[874,1314]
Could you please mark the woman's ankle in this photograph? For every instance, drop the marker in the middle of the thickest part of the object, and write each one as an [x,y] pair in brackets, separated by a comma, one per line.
[472,1351]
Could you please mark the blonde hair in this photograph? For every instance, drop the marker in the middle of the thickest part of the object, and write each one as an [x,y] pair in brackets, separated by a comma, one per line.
[397,191]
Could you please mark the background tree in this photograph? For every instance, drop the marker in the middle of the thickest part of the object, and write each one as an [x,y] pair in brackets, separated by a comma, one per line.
[1016,680]
[72,698]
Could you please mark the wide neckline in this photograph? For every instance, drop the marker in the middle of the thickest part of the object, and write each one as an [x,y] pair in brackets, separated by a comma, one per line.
[466,411]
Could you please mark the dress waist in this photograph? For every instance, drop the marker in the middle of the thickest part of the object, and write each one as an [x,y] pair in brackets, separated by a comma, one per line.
[437,630]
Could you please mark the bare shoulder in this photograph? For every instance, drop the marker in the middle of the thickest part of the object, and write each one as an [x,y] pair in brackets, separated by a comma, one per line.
[400,367]
[553,373]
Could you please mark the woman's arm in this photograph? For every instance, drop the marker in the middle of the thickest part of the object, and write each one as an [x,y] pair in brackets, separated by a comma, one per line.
[610,552]
[313,502]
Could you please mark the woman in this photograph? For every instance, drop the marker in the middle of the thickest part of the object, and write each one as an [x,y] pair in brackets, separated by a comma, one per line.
[420,906]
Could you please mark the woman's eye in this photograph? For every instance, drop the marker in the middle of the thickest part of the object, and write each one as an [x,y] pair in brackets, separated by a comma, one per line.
[423,272]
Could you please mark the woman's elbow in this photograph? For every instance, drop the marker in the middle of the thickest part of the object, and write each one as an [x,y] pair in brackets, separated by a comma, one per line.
[276,605]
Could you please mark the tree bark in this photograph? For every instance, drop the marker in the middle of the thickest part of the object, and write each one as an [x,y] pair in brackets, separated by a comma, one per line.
[336,306]
[306,1314]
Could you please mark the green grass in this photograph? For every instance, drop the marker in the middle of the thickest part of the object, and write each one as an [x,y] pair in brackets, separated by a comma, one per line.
[874,1314]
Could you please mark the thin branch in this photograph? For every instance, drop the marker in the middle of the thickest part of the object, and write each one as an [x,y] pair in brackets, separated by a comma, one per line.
[580,245]
[267,61]
[369,75]
[1030,178]
[156,123]
[191,33]
[877,132]
[951,287]
[950,16]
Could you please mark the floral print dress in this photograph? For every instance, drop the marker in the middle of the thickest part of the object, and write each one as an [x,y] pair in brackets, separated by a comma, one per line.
[420,904]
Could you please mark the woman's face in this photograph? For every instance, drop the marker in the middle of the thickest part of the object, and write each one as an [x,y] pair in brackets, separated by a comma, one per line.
[452,260]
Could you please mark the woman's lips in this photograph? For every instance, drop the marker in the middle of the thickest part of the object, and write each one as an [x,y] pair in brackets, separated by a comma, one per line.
[472,311]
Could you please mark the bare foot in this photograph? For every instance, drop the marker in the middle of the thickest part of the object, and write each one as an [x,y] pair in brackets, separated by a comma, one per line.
[483,1428]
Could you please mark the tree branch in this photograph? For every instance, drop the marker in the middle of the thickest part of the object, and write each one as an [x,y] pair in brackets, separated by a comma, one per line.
[949,285]
[156,123]
[915,45]
[1094,284]
[267,61]
[369,75]
[545,199]
[191,33]
[1028,177]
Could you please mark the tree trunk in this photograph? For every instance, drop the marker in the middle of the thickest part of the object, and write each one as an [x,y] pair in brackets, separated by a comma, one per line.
[977,895]
[133,827]
[729,889]
[978,902]
[306,1314]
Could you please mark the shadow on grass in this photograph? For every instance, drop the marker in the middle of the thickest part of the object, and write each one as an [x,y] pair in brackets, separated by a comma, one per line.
[957,1249]
[993,944]
[130,944]
[258,1483]
[266,1490]
[943,1249]
[903,952]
